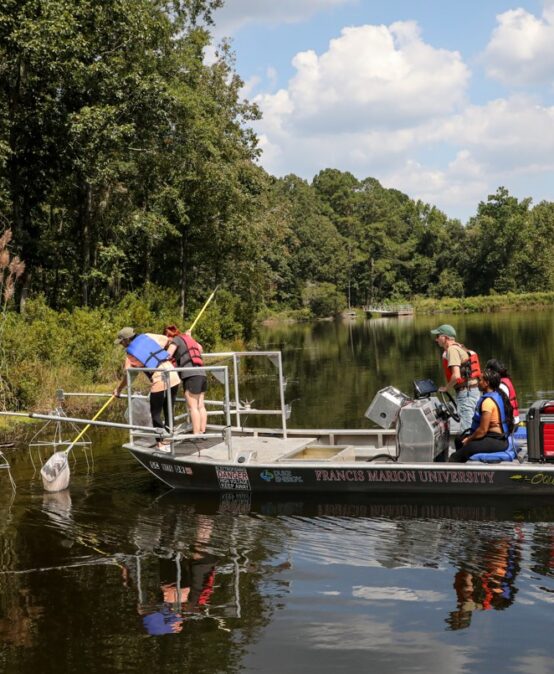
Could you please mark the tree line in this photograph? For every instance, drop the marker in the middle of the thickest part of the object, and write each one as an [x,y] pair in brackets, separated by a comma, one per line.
[127,159]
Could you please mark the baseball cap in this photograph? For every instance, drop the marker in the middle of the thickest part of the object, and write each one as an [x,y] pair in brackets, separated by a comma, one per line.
[124,333]
[445,329]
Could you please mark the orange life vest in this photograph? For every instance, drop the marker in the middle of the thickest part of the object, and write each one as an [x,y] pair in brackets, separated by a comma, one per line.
[469,369]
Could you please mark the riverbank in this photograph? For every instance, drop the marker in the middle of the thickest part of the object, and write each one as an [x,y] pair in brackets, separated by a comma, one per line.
[483,303]
[74,350]
[429,306]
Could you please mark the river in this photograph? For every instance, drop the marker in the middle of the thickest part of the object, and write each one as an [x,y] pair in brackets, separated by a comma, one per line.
[118,575]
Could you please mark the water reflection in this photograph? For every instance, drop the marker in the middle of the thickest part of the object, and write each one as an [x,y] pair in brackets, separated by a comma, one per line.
[185,586]
[121,565]
[486,581]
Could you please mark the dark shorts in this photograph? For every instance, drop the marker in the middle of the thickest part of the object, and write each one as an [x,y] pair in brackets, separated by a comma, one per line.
[196,384]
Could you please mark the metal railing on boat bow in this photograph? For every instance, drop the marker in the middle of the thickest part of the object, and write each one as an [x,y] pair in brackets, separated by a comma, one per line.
[227,407]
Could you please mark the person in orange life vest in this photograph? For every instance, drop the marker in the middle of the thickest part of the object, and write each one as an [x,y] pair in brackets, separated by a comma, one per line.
[506,385]
[461,369]
[187,353]
[148,350]
[492,422]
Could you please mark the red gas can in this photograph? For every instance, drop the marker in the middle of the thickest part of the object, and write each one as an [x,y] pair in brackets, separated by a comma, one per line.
[540,431]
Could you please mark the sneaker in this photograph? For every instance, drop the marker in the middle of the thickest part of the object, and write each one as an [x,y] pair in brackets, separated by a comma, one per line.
[163,447]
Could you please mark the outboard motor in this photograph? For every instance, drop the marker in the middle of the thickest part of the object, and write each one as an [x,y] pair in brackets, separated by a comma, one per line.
[422,429]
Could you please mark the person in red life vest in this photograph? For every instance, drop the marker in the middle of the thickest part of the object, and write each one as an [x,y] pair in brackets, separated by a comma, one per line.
[148,350]
[187,352]
[492,422]
[462,371]
[506,385]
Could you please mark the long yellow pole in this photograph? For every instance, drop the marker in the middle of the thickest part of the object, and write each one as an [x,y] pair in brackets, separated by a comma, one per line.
[85,429]
[210,298]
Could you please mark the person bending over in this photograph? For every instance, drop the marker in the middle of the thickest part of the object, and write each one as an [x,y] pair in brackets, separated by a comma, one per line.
[148,350]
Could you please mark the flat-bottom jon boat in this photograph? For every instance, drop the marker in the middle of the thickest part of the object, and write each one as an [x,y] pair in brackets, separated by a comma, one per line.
[407,455]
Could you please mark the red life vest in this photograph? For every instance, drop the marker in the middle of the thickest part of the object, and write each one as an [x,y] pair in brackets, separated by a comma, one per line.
[207,589]
[194,349]
[469,369]
[512,395]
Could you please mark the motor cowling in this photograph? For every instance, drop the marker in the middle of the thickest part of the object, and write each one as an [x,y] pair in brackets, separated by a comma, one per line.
[422,432]
[422,427]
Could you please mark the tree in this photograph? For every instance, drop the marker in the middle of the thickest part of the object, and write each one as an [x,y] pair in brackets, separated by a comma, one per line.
[496,233]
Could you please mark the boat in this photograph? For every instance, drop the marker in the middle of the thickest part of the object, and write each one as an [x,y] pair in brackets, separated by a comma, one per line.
[405,455]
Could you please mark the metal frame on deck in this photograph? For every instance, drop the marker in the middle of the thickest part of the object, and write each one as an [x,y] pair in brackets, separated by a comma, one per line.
[237,405]
[174,433]
[135,431]
[229,407]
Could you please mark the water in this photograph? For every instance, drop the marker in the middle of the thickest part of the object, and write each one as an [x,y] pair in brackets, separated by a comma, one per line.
[117,575]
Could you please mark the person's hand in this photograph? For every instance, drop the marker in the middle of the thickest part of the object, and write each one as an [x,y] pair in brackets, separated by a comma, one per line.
[177,626]
[465,440]
[116,393]
[443,389]
[188,332]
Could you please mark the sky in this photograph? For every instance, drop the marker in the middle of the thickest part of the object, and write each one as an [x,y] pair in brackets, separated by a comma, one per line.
[445,100]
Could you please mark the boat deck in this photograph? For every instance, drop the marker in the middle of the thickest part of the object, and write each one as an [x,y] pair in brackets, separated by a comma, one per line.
[255,449]
[260,449]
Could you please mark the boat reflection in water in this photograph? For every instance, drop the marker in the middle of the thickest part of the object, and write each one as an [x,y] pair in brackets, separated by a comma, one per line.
[481,543]
[228,578]
[186,586]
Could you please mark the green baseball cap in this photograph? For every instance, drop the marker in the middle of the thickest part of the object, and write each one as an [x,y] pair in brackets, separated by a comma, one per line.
[124,333]
[445,329]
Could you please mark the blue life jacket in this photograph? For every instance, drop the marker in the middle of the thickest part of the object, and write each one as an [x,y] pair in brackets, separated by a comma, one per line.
[148,351]
[497,398]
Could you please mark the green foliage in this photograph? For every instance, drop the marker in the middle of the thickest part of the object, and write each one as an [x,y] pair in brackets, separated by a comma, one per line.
[46,349]
[484,303]
[323,299]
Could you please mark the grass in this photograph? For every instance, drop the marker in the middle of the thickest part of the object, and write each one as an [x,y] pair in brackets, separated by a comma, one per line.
[483,303]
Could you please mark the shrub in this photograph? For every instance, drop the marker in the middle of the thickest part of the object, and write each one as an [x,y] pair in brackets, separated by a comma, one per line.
[323,299]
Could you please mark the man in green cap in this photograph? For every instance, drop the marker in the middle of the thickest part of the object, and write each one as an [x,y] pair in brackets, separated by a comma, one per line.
[462,371]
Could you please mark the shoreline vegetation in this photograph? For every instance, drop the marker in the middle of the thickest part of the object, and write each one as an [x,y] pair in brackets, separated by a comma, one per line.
[483,303]
[84,358]
[44,350]
[429,306]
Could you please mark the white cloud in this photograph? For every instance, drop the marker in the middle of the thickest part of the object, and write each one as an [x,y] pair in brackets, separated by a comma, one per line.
[515,134]
[372,77]
[392,593]
[521,48]
[501,143]
[237,13]
[250,85]
[271,75]
[363,105]
[381,102]
[456,189]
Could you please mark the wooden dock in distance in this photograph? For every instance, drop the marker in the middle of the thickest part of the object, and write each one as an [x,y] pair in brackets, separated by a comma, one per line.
[390,310]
